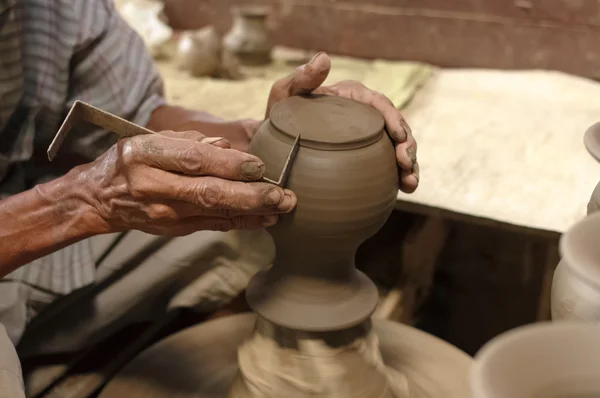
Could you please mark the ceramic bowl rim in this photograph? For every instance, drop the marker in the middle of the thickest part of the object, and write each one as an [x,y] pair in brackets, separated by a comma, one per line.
[591,140]
[477,381]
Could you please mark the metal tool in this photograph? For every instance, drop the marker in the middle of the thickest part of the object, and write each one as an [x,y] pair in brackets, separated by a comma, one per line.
[81,111]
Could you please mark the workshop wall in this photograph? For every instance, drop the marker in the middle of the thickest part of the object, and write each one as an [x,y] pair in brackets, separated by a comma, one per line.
[506,34]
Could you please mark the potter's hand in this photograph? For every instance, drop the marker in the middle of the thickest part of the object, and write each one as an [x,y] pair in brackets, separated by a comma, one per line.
[179,183]
[308,79]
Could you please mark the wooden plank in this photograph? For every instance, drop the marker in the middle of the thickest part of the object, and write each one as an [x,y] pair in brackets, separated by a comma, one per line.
[449,215]
[550,260]
[420,251]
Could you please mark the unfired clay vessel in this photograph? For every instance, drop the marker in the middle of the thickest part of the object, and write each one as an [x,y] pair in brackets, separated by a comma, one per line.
[346,180]
[199,52]
[313,336]
[576,286]
[249,37]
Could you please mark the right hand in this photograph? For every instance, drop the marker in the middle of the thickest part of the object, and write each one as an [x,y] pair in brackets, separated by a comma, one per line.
[177,183]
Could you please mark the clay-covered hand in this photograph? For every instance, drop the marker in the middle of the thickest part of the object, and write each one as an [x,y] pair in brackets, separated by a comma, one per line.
[308,78]
[178,183]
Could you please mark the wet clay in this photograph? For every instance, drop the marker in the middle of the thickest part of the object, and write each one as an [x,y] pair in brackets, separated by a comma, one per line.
[276,361]
[314,336]
[201,362]
[346,181]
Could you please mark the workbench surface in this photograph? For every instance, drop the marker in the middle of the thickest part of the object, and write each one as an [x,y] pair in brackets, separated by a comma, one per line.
[506,146]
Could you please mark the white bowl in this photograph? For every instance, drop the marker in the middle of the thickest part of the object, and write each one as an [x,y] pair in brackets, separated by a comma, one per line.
[542,360]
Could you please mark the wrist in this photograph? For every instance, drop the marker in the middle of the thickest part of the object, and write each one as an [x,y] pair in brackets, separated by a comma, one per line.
[71,198]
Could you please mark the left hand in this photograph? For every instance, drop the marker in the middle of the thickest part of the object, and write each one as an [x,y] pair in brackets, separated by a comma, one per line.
[308,79]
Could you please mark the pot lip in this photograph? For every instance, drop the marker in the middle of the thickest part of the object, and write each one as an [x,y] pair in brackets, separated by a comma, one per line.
[479,373]
[279,119]
[580,261]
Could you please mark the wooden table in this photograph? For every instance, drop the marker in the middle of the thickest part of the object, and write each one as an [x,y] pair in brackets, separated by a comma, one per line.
[505,149]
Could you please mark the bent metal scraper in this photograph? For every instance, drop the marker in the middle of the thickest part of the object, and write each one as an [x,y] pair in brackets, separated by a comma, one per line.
[81,111]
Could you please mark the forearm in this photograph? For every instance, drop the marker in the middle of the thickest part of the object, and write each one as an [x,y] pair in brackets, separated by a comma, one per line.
[169,117]
[44,219]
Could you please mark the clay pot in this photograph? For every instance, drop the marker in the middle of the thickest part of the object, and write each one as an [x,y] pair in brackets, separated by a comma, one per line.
[346,181]
[199,52]
[575,290]
[249,38]
[543,360]
[576,283]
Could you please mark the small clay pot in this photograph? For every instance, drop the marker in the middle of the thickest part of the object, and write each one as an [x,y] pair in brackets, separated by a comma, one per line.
[575,293]
[346,180]
[576,283]
[199,52]
[249,38]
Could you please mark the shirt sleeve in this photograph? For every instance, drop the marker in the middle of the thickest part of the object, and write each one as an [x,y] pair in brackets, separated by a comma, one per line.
[111,69]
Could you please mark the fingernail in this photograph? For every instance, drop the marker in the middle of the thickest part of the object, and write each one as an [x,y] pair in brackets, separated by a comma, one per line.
[406,127]
[212,140]
[269,221]
[315,57]
[415,170]
[273,197]
[288,203]
[252,170]
[412,155]
[399,136]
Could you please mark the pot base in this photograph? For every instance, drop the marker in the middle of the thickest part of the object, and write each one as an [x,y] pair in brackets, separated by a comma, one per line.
[312,304]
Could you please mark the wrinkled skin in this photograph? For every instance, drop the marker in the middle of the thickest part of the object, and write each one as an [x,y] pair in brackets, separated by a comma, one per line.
[176,183]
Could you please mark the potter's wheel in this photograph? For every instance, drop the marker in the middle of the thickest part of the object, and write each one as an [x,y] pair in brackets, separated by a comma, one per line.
[201,362]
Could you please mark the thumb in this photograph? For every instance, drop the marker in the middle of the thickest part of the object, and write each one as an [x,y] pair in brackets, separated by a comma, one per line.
[303,80]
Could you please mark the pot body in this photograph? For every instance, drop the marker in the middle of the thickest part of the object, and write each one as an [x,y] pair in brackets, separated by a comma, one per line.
[572,296]
[199,52]
[345,195]
[249,38]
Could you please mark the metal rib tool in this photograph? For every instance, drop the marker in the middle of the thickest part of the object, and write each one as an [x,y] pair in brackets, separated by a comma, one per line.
[81,111]
[88,113]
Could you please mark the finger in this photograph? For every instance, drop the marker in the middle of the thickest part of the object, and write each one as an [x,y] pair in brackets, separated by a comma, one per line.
[195,224]
[216,197]
[409,180]
[303,80]
[221,142]
[395,124]
[195,158]
[406,154]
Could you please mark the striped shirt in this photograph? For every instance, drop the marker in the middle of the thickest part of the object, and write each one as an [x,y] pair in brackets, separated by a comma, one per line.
[53,52]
